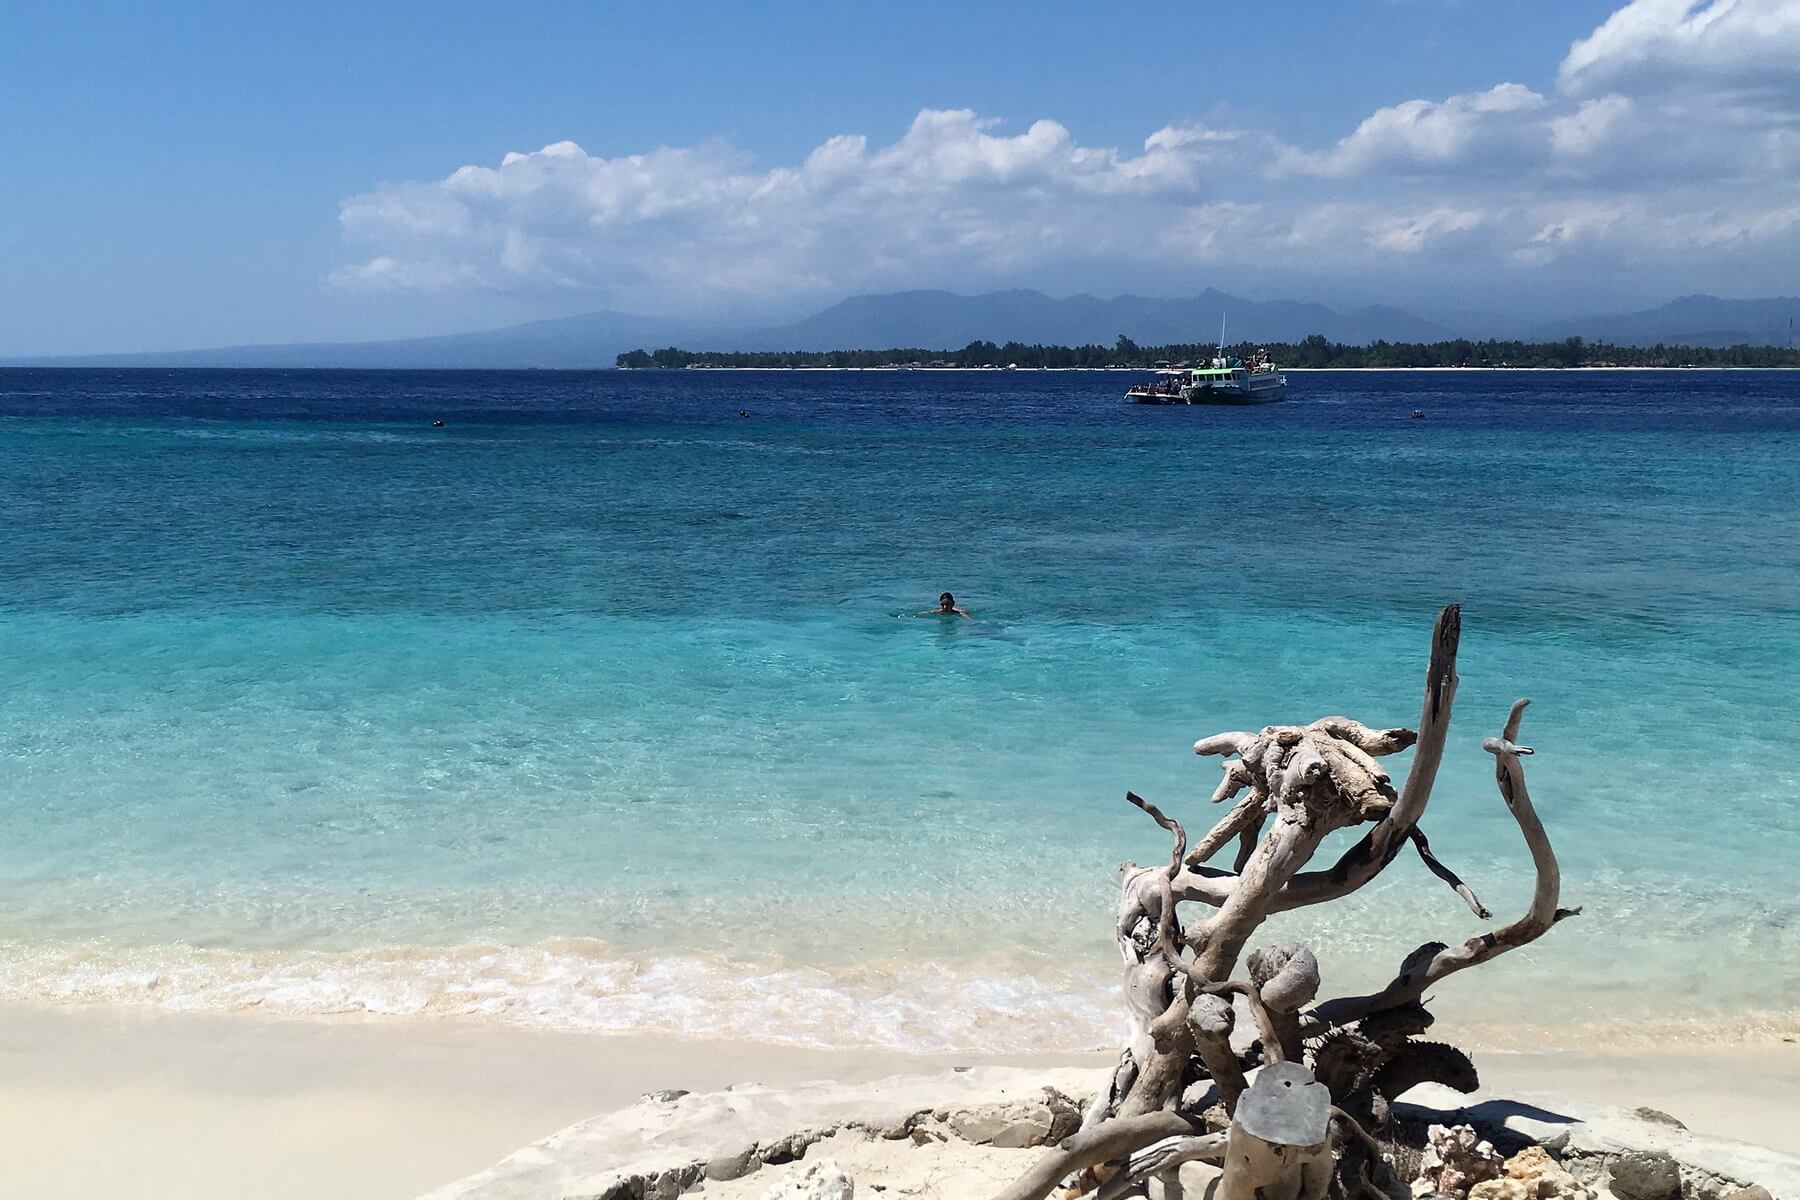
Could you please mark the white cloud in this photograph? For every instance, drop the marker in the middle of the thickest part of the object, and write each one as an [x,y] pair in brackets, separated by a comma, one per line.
[1682,88]
[1207,233]
[1718,45]
[1669,89]
[1592,126]
[384,273]
[1415,233]
[1621,234]
[1423,134]
[1667,147]
[952,192]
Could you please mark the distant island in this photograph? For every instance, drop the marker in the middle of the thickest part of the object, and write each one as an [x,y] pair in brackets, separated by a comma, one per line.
[1316,352]
[1021,319]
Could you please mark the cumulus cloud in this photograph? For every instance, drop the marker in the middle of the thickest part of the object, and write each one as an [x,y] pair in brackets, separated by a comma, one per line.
[1667,107]
[1687,88]
[1590,127]
[1746,46]
[1490,126]
[953,190]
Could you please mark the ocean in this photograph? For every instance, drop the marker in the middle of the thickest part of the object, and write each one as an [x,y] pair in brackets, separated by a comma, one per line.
[604,707]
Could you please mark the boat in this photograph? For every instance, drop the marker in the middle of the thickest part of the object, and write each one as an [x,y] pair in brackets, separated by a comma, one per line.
[1226,379]
[1166,388]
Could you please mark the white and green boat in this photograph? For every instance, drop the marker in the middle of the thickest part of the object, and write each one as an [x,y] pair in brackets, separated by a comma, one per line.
[1226,379]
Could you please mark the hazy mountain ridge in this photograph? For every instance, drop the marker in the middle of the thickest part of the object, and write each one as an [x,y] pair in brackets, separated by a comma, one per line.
[937,319]
[591,340]
[1697,320]
[946,320]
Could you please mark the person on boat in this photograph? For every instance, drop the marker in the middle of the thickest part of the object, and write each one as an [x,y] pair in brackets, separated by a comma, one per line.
[947,607]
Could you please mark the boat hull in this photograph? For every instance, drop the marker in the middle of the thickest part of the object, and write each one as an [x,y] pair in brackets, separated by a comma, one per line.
[1212,393]
[1231,393]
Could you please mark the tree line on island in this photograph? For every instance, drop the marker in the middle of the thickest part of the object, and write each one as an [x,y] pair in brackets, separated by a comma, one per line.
[1314,352]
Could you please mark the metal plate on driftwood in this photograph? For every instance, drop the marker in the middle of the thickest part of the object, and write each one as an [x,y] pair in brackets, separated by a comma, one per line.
[1285,1106]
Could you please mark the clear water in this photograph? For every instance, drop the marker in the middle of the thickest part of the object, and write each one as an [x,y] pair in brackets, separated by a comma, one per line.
[603,707]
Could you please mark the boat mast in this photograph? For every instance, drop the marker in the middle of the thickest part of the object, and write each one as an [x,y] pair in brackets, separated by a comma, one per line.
[1221,334]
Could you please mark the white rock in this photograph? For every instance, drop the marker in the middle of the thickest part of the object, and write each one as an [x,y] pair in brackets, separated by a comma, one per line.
[1582,1132]
[1008,1126]
[1455,1159]
[1532,1174]
[823,1180]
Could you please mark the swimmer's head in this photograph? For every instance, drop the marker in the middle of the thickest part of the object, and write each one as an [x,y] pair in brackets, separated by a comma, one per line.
[946,602]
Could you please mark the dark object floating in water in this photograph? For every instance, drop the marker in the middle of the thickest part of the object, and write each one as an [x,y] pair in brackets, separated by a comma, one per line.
[1418,414]
[743,412]
[437,424]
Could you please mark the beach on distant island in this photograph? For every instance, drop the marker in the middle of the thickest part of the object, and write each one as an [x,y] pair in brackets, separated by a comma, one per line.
[1314,353]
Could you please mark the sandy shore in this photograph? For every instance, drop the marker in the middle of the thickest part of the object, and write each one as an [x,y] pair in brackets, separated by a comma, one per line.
[99,1101]
[136,1102]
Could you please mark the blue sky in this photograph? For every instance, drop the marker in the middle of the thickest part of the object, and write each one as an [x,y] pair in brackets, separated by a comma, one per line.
[187,174]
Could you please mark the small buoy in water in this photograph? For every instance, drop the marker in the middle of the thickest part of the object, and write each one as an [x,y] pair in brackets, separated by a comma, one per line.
[1417,413]
[743,412]
[437,424]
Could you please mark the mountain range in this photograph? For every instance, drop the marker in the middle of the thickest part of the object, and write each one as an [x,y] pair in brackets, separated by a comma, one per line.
[936,320]
[1700,321]
[946,320]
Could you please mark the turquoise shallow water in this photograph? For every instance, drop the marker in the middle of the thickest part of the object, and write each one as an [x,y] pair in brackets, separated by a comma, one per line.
[604,708]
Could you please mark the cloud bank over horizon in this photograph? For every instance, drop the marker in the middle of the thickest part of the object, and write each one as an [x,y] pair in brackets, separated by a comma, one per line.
[1668,149]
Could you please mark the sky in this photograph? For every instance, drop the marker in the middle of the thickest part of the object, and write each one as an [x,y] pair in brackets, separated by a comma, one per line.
[183,175]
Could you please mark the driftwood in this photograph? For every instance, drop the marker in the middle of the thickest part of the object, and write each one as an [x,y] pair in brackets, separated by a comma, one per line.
[1433,961]
[1329,1066]
[1116,1138]
[1161,1159]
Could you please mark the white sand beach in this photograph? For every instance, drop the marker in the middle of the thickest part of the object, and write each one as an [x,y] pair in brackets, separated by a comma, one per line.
[113,1101]
[100,1101]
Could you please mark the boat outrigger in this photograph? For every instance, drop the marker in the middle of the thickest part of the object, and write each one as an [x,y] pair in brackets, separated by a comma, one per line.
[1227,379]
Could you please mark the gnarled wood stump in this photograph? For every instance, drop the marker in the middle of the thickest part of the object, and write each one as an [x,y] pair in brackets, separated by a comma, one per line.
[1290,786]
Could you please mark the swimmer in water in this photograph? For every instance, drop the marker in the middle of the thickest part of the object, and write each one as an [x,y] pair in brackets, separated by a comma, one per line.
[947,608]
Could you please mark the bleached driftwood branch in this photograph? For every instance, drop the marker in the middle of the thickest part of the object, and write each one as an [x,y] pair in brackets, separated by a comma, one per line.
[1435,961]
[1365,860]
[1444,873]
[1117,1138]
[1162,1159]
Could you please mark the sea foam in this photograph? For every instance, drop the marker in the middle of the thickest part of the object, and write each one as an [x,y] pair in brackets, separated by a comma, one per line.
[573,985]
